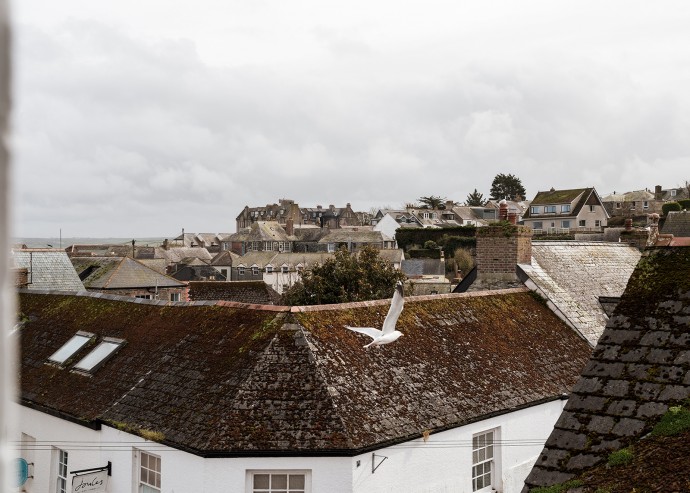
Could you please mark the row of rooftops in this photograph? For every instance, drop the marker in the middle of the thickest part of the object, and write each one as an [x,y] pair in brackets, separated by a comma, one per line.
[293,380]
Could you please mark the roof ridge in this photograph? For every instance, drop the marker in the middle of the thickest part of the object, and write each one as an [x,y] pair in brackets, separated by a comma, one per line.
[113,272]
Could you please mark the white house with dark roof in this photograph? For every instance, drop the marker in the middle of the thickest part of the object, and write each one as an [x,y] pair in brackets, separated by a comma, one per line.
[565,211]
[214,397]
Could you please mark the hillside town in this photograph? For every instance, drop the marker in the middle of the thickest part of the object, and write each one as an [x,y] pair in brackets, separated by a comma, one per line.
[542,337]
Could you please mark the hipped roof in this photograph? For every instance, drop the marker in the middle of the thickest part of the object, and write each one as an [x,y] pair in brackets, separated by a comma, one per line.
[223,379]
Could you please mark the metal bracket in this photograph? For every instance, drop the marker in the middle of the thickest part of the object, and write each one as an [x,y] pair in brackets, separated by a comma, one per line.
[374,465]
[109,468]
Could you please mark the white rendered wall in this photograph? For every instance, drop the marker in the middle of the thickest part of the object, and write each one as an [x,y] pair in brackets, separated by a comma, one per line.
[442,464]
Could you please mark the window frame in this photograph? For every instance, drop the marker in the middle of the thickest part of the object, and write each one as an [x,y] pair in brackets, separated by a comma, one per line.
[269,269]
[118,343]
[174,296]
[479,446]
[597,223]
[582,223]
[534,209]
[139,484]
[61,475]
[87,335]
[549,209]
[250,473]
[565,208]
[591,208]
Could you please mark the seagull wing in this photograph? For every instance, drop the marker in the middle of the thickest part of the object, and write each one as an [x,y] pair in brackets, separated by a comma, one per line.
[394,311]
[370,331]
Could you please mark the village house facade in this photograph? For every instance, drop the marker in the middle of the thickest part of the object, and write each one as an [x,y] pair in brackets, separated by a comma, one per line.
[289,396]
[565,211]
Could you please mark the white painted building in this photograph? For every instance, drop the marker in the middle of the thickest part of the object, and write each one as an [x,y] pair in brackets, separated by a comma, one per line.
[444,462]
[219,397]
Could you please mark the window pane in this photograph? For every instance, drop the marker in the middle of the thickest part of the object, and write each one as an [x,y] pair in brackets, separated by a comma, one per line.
[69,348]
[475,458]
[482,454]
[261,481]
[279,481]
[490,452]
[297,481]
[97,355]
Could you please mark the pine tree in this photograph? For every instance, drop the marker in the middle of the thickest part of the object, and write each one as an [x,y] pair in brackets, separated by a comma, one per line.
[475,199]
[507,187]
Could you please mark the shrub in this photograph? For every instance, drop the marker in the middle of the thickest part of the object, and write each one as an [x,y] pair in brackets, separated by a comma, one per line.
[558,488]
[670,206]
[685,204]
[463,259]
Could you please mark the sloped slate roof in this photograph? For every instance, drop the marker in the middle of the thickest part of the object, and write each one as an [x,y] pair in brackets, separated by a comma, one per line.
[175,254]
[120,273]
[48,269]
[573,275]
[677,223]
[346,235]
[639,368]
[252,292]
[225,258]
[260,259]
[222,380]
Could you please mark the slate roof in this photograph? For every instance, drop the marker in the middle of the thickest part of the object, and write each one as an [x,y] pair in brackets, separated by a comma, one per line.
[635,196]
[349,235]
[174,255]
[677,223]
[251,292]
[573,275]
[224,259]
[48,269]
[639,368]
[120,273]
[222,379]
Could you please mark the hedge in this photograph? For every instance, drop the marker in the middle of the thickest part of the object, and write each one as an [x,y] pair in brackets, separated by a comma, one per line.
[447,238]
[670,206]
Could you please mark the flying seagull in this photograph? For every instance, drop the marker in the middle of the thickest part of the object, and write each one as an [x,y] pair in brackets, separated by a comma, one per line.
[388,334]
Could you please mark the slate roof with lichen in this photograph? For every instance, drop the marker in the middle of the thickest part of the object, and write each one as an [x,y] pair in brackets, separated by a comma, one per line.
[639,368]
[349,235]
[48,269]
[251,292]
[174,254]
[120,273]
[221,379]
[677,223]
[574,274]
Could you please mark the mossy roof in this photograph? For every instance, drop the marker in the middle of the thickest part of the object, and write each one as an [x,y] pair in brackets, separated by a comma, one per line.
[639,368]
[223,379]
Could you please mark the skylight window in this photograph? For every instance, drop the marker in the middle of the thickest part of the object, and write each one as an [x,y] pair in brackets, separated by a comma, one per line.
[70,347]
[99,355]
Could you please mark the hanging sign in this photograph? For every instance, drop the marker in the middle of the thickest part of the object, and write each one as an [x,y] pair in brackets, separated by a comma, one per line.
[22,470]
[91,480]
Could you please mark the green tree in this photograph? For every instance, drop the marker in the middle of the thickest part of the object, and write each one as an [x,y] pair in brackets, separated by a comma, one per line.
[507,187]
[344,278]
[475,199]
[432,202]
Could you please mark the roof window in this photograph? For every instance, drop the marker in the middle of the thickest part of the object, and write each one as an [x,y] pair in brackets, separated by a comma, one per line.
[70,347]
[99,355]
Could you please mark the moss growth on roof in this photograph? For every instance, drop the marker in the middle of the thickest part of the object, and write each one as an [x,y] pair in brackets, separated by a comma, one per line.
[557,196]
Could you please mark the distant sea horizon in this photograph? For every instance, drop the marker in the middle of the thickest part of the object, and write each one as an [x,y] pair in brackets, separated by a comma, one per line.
[65,242]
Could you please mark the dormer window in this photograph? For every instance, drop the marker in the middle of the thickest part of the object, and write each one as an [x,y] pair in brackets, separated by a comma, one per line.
[534,210]
[99,355]
[284,269]
[255,271]
[71,347]
[549,209]
[269,269]
[565,208]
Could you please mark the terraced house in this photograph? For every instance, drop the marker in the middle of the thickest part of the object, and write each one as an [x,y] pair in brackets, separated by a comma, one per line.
[565,211]
[227,397]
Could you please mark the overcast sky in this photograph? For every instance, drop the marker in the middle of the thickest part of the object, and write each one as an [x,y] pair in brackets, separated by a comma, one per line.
[143,117]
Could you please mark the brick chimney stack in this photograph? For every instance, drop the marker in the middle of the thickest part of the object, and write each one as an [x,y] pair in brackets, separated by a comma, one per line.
[628,224]
[290,226]
[658,194]
[500,248]
[503,210]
